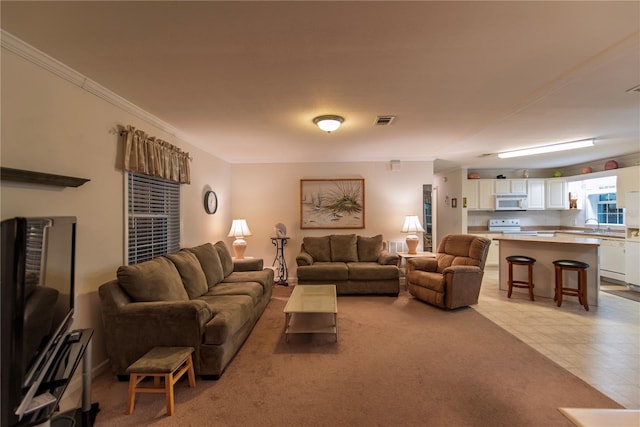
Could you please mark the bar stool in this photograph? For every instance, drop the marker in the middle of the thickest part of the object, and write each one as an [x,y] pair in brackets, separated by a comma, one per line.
[521,260]
[570,265]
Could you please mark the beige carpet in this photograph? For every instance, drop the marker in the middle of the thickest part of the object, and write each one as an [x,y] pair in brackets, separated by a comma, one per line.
[398,362]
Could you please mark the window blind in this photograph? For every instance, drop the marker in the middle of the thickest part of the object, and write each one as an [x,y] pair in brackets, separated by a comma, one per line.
[153,217]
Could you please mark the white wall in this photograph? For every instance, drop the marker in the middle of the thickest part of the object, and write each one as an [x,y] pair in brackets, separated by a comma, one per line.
[51,125]
[265,194]
[450,219]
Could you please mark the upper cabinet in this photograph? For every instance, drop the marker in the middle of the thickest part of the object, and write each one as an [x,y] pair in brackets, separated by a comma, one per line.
[480,194]
[535,194]
[556,194]
[510,186]
[628,180]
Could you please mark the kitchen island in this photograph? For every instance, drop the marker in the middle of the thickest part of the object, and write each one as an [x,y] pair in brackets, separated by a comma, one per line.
[546,249]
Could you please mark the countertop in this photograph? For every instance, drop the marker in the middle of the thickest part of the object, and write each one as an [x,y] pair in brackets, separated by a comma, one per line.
[614,234]
[589,241]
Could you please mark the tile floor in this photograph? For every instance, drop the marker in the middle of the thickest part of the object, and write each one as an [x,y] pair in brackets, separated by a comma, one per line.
[601,346]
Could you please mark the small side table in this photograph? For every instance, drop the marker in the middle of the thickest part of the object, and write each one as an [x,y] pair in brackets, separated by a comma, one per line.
[279,261]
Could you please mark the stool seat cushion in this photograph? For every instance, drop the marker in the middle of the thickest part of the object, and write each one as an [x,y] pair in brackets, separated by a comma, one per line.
[521,259]
[160,360]
[570,263]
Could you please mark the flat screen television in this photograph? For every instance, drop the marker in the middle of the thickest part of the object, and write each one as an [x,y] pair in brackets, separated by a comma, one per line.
[37,289]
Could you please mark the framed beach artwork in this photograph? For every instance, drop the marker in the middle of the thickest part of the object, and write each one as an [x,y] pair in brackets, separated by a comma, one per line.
[332,203]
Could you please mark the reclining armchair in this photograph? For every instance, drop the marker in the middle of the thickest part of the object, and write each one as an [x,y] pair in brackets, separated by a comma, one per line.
[452,279]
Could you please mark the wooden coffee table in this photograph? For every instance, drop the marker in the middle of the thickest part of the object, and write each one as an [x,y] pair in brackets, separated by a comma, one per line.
[312,309]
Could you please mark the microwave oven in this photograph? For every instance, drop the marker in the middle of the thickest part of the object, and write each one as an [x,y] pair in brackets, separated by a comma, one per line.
[511,202]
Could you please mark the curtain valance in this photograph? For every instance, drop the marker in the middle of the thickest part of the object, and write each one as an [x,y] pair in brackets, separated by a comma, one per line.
[155,157]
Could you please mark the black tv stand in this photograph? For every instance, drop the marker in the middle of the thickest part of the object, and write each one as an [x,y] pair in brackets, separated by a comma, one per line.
[74,349]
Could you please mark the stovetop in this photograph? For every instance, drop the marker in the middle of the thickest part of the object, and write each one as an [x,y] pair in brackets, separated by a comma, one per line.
[508,226]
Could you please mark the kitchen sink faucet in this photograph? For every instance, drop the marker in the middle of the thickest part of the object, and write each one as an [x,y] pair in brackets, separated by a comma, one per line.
[586,221]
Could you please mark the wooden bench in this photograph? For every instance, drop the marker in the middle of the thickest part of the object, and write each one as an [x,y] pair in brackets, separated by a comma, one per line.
[170,363]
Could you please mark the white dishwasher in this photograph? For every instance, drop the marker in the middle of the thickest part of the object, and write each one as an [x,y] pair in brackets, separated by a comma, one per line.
[612,259]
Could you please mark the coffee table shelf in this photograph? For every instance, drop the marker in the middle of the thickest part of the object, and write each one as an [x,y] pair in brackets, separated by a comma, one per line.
[312,309]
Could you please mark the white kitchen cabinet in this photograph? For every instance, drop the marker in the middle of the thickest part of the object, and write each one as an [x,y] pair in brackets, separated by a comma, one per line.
[470,191]
[556,195]
[535,194]
[628,180]
[510,186]
[486,195]
[612,258]
[519,186]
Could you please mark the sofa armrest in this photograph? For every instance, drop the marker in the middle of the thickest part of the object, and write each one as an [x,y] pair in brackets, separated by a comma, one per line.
[304,258]
[462,283]
[422,264]
[135,328]
[388,258]
[248,264]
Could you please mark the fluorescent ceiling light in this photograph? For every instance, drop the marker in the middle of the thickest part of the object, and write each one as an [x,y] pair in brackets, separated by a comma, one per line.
[547,148]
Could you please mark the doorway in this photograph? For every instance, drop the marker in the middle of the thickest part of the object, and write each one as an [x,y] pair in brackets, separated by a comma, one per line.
[428,212]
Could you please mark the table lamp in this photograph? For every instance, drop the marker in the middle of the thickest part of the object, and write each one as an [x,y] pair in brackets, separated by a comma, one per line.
[239,229]
[412,226]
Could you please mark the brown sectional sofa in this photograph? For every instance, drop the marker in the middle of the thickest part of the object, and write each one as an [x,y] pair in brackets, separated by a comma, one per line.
[197,297]
[355,264]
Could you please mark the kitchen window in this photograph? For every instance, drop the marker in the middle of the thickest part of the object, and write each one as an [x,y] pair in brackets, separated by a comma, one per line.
[606,210]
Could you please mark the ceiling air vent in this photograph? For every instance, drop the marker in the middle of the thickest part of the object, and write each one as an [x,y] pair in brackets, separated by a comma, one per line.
[634,89]
[384,120]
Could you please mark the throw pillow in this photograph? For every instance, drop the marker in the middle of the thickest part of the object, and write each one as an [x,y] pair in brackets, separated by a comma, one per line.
[344,248]
[210,263]
[369,248]
[318,247]
[225,258]
[154,280]
[193,278]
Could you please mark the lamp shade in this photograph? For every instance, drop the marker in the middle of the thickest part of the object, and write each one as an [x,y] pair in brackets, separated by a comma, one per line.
[412,225]
[239,228]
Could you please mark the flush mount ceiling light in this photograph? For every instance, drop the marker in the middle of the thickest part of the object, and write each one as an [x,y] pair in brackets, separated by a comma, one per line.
[547,148]
[328,123]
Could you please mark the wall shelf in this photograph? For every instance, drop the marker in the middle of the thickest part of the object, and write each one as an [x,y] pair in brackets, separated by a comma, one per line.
[30,177]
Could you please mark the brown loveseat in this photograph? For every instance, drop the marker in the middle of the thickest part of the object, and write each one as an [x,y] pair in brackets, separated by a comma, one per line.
[197,297]
[355,264]
[452,279]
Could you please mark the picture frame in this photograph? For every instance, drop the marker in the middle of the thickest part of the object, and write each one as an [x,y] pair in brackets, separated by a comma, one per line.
[454,202]
[332,203]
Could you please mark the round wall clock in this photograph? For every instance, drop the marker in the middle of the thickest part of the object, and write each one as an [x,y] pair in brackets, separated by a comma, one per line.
[210,202]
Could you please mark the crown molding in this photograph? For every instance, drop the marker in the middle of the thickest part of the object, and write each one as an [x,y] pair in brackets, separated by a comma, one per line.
[41,59]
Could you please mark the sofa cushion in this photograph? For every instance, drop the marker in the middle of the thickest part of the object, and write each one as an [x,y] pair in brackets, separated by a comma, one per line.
[193,278]
[372,271]
[369,248]
[154,280]
[343,248]
[323,272]
[210,263]
[318,247]
[264,277]
[225,258]
[251,289]
[230,314]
